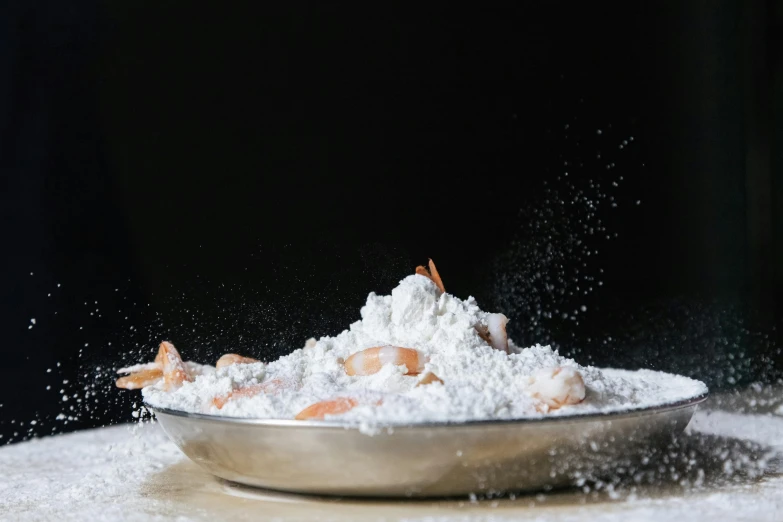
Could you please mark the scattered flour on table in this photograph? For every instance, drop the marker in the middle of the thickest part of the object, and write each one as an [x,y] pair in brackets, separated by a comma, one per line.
[88,475]
[479,382]
[137,474]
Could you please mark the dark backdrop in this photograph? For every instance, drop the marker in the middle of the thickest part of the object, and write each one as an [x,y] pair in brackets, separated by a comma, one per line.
[240,177]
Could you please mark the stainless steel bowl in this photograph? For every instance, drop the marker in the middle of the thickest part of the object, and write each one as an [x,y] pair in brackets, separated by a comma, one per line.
[437,459]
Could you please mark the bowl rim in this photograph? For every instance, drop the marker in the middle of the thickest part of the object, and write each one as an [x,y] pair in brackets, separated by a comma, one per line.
[537,420]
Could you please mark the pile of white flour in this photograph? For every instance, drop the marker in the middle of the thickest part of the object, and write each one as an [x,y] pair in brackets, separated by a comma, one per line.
[479,382]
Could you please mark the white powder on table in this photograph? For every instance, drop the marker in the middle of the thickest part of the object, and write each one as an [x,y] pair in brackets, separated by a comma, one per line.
[121,474]
[479,382]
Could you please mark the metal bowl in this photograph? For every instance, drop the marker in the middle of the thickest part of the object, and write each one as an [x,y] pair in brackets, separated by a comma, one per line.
[436,459]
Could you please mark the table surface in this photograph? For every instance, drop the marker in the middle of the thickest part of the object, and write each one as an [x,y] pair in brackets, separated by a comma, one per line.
[728,468]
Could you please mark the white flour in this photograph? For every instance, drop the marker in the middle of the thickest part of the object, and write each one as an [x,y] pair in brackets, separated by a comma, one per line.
[479,382]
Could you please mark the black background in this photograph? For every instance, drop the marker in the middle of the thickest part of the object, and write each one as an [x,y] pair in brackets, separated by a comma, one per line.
[240,177]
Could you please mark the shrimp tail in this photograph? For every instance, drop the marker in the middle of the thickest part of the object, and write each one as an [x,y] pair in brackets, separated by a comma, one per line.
[432,274]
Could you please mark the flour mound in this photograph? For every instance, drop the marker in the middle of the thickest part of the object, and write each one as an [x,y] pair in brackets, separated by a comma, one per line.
[479,382]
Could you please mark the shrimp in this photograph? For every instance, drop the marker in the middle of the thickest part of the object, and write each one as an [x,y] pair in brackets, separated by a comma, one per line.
[144,372]
[496,326]
[167,366]
[174,371]
[270,386]
[140,379]
[232,358]
[431,274]
[557,387]
[140,367]
[494,333]
[371,360]
[429,378]
[329,407]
